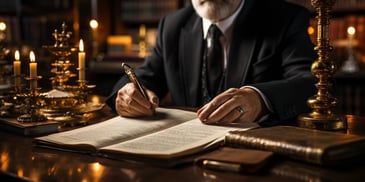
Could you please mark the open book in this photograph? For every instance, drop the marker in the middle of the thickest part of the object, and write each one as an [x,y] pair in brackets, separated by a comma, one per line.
[171,133]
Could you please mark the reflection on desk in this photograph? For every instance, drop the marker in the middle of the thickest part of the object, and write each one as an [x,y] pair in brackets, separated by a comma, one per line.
[20,160]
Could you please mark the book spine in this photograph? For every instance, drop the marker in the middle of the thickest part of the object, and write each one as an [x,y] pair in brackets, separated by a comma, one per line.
[312,155]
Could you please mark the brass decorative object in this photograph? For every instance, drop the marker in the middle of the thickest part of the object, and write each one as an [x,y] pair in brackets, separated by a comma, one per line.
[62,51]
[323,103]
[31,104]
[61,99]
[66,102]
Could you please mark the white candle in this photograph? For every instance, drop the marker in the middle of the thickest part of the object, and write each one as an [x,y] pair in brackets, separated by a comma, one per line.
[94,30]
[17,71]
[350,35]
[81,61]
[32,71]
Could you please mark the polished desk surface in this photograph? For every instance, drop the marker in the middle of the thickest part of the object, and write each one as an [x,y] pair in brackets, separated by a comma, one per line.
[20,160]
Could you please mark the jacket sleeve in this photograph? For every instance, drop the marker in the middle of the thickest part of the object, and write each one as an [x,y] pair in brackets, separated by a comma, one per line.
[288,96]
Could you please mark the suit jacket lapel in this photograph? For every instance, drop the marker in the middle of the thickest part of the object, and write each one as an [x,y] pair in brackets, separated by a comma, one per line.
[242,46]
[190,58]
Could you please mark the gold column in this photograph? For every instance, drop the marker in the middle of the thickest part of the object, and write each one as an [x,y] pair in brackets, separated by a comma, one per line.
[323,103]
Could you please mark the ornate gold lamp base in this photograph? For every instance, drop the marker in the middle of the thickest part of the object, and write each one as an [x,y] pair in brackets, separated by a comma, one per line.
[330,122]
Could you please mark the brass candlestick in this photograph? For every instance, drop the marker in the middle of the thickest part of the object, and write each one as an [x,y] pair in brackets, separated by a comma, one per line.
[83,90]
[18,86]
[322,104]
[32,103]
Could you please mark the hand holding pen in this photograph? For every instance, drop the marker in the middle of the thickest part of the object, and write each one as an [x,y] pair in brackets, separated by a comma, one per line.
[133,99]
[132,76]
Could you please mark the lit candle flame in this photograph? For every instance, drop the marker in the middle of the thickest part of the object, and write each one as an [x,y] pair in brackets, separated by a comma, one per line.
[94,24]
[81,46]
[32,56]
[351,30]
[17,56]
[2,26]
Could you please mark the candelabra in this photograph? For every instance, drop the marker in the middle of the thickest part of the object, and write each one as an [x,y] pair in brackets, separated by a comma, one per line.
[62,51]
[322,104]
[65,98]
[65,102]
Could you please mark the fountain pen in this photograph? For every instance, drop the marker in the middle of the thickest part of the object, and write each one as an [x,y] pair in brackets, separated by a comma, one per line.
[132,76]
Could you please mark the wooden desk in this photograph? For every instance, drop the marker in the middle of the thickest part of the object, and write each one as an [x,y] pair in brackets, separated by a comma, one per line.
[20,160]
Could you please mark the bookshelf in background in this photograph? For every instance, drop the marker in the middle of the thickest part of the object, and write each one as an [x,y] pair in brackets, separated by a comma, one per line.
[145,11]
[31,22]
[131,14]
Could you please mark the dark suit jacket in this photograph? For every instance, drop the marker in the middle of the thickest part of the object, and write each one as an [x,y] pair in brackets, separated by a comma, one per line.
[270,50]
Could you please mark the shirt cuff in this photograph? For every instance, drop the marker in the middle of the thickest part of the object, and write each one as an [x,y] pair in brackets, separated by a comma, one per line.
[266,101]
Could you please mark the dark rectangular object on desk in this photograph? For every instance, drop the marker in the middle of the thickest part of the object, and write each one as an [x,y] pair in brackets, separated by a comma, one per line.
[313,146]
[29,129]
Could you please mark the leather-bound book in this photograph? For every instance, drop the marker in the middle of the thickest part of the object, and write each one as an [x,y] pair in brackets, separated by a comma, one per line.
[313,146]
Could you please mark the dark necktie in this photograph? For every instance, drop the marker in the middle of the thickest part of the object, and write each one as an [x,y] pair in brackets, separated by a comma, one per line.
[214,59]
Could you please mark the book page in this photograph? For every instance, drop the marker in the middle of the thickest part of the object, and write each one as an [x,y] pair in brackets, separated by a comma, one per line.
[186,138]
[119,129]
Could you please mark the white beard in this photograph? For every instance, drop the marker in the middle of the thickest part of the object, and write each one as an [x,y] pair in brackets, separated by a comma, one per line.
[215,10]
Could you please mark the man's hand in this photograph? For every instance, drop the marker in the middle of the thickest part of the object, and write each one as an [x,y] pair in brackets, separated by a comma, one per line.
[131,103]
[234,105]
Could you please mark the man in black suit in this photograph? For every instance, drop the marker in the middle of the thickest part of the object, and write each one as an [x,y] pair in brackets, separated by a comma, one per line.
[267,55]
